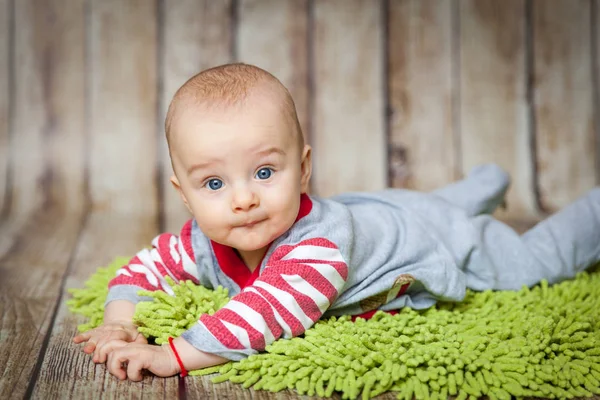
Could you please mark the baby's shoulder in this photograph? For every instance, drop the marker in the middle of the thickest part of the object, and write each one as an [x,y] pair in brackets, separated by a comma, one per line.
[327,220]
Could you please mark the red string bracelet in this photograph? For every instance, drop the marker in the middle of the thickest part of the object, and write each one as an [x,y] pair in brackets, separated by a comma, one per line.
[183,370]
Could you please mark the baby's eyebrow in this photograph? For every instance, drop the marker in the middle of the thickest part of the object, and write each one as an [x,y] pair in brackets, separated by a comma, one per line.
[271,150]
[202,165]
[207,164]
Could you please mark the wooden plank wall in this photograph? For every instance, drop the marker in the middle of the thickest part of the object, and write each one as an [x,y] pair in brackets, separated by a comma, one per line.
[406,93]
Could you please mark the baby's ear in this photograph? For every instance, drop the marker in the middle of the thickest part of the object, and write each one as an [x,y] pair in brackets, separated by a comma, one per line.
[305,168]
[177,186]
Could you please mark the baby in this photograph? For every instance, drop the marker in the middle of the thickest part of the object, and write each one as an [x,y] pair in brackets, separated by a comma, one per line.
[242,169]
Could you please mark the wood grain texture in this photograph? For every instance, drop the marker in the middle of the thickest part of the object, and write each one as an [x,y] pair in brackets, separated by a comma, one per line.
[197,35]
[31,275]
[66,371]
[46,154]
[123,134]
[47,173]
[123,159]
[5,60]
[272,35]
[563,101]
[420,53]
[494,115]
[349,135]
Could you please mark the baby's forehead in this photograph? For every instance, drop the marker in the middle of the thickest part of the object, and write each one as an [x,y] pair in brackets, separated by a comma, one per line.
[250,126]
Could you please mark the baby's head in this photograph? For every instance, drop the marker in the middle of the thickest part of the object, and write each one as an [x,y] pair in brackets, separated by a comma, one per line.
[238,154]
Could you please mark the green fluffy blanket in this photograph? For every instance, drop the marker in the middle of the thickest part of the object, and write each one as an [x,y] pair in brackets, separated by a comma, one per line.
[542,342]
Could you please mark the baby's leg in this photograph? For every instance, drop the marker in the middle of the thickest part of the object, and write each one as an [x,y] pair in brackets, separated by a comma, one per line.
[481,192]
[555,249]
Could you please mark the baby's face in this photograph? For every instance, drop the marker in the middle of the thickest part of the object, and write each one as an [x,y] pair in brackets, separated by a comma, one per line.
[240,173]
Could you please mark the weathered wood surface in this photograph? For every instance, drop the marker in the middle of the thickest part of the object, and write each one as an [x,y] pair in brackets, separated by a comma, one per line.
[67,372]
[47,111]
[32,274]
[567,140]
[123,133]
[422,151]
[5,61]
[123,212]
[194,35]
[46,200]
[349,134]
[494,116]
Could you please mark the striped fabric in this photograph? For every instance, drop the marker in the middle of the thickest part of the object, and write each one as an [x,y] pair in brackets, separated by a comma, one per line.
[296,287]
[170,256]
[298,284]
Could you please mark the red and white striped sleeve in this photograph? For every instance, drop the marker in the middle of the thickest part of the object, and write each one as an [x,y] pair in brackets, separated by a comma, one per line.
[170,255]
[298,284]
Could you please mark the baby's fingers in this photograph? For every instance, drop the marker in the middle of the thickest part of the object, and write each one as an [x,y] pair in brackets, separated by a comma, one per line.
[89,347]
[82,337]
[126,362]
[134,370]
[108,347]
[88,337]
[115,366]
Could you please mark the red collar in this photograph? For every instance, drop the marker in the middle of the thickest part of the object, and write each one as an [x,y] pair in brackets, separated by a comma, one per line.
[231,263]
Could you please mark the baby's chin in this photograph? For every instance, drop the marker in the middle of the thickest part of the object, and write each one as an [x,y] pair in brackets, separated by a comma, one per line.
[251,241]
[249,244]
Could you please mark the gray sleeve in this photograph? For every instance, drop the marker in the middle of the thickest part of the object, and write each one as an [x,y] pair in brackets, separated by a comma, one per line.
[126,292]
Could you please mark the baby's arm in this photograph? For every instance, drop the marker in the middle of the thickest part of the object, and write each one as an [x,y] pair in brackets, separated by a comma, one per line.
[299,283]
[170,256]
[128,361]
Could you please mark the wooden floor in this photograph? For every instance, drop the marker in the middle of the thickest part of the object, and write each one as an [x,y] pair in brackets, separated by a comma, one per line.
[43,254]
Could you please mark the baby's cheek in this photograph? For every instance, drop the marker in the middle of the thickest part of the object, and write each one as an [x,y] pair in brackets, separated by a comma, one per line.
[209,222]
[284,221]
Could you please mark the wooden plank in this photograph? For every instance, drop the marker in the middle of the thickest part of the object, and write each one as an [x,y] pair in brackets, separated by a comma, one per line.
[349,135]
[420,53]
[493,96]
[123,134]
[273,35]
[123,153]
[31,273]
[197,35]
[46,147]
[5,36]
[563,101]
[47,197]
[66,371]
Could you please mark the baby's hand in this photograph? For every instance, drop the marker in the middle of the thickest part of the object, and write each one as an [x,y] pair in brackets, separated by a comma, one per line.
[129,360]
[104,339]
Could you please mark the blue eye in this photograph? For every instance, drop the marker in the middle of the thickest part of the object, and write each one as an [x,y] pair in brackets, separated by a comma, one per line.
[264,173]
[214,184]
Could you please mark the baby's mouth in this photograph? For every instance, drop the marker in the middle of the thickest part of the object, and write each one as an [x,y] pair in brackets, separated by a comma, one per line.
[251,223]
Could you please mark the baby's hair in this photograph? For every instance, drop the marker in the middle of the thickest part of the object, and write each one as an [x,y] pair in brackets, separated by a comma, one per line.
[227,86]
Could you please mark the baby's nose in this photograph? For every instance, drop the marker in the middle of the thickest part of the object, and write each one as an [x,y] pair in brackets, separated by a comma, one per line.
[244,199]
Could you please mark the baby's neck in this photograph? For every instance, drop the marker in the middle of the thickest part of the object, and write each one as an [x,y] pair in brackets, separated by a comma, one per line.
[253,258]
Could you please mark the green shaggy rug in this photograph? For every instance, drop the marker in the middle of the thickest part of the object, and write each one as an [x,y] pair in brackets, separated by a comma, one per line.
[542,342]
